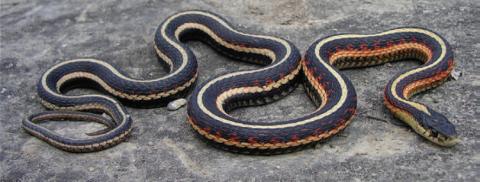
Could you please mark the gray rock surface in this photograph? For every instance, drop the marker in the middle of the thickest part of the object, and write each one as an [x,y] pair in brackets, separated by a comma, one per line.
[38,34]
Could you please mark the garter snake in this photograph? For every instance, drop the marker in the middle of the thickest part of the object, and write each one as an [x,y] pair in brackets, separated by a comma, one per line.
[331,91]
[208,107]
[169,48]
[353,50]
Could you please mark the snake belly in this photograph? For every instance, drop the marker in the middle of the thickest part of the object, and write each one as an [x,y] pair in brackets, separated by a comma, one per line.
[209,104]
[353,50]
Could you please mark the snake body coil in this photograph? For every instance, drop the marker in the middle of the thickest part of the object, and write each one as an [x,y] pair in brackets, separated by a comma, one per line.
[331,91]
[353,50]
[183,73]
[208,107]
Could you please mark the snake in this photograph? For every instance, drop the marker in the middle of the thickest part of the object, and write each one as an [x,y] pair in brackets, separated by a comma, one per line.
[331,91]
[347,51]
[171,51]
[284,68]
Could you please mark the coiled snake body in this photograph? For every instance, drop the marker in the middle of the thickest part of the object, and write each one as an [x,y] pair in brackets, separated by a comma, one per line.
[209,104]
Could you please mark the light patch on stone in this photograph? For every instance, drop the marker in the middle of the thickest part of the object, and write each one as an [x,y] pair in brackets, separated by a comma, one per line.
[184,158]
[374,145]
[389,144]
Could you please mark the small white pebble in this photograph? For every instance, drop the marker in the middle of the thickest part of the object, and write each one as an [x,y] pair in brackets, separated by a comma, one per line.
[176,104]
[456,74]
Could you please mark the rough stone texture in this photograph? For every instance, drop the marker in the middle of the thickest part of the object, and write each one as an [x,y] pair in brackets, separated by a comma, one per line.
[38,34]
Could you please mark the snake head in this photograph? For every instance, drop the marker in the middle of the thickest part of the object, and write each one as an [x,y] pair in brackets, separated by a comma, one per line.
[438,129]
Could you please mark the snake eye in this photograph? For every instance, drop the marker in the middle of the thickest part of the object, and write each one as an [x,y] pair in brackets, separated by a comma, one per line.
[434,134]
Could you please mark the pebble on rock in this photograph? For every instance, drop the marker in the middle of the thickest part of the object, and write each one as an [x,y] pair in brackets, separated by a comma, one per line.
[456,74]
[176,104]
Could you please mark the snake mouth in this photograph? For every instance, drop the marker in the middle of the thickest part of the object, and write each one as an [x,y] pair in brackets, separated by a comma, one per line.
[438,138]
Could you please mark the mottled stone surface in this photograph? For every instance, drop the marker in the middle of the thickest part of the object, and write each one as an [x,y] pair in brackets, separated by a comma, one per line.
[37,34]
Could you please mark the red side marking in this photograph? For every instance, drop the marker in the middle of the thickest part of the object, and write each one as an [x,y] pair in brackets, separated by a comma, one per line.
[319,77]
[269,81]
[240,45]
[376,44]
[414,40]
[256,82]
[318,131]
[450,63]
[306,62]
[330,54]
[338,48]
[234,137]
[351,110]
[310,71]
[350,47]
[340,122]
[274,140]
[390,43]
[364,47]
[207,129]
[252,140]
[294,138]
[322,85]
[218,134]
